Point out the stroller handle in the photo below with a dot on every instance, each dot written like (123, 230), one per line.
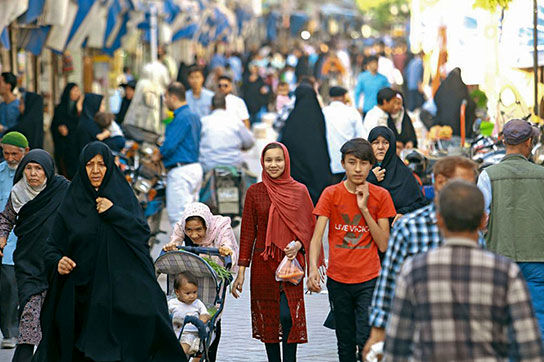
(209, 251)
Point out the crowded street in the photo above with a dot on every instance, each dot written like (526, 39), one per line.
(271, 180)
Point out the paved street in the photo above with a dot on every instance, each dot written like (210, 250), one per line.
(236, 343)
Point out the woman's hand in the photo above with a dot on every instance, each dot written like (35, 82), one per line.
(238, 282)
(103, 204)
(379, 172)
(171, 246)
(63, 130)
(225, 250)
(292, 249)
(66, 265)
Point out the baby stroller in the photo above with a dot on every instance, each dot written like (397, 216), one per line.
(212, 288)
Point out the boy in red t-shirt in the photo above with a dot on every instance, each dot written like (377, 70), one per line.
(358, 215)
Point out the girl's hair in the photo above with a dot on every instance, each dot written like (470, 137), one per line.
(183, 278)
(271, 147)
(196, 218)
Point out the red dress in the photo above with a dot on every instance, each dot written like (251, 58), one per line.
(265, 290)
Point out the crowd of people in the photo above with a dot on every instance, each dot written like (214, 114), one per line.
(459, 277)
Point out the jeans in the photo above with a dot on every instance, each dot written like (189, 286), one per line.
(289, 349)
(183, 186)
(350, 306)
(534, 276)
(9, 320)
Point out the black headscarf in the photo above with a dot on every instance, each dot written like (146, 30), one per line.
(33, 225)
(30, 123)
(448, 99)
(399, 180)
(305, 138)
(253, 97)
(65, 114)
(86, 131)
(110, 307)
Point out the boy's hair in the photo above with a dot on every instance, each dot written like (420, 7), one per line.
(194, 69)
(225, 77)
(360, 148)
(370, 58)
(103, 119)
(183, 278)
(10, 79)
(386, 94)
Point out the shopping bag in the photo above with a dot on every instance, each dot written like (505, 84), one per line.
(289, 271)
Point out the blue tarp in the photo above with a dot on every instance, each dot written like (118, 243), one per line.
(4, 39)
(186, 32)
(35, 9)
(36, 39)
(171, 10)
(84, 6)
(297, 21)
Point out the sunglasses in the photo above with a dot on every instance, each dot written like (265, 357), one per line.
(223, 85)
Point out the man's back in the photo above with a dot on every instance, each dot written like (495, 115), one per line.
(223, 137)
(343, 124)
(457, 302)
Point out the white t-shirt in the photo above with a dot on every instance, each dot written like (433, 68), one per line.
(237, 106)
(374, 118)
(179, 310)
(343, 124)
(115, 130)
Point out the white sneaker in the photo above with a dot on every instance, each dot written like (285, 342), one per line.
(8, 343)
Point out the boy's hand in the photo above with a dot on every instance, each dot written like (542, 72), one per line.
(379, 172)
(362, 195)
(238, 284)
(314, 280)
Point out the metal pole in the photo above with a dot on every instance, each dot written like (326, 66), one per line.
(153, 31)
(535, 54)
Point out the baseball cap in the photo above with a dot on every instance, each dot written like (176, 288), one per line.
(517, 131)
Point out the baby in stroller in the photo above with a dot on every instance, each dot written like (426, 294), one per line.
(187, 304)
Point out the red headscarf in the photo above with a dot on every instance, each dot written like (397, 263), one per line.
(290, 216)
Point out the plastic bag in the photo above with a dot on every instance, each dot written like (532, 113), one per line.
(289, 271)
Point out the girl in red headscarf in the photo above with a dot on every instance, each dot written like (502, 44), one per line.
(277, 210)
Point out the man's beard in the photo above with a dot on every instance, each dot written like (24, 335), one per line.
(11, 167)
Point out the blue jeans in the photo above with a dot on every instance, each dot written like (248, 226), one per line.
(534, 276)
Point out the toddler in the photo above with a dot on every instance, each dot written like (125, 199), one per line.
(111, 134)
(187, 304)
(282, 99)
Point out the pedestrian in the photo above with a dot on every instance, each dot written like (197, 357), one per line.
(459, 302)
(413, 234)
(358, 215)
(34, 199)
(64, 125)
(223, 137)
(392, 174)
(277, 211)
(115, 139)
(305, 137)
(14, 147)
(30, 122)
(104, 302)
(198, 98)
(235, 105)
(198, 227)
(402, 126)
(129, 89)
(515, 205)
(414, 82)
(389, 102)
(343, 123)
(9, 108)
(179, 153)
(255, 92)
(369, 83)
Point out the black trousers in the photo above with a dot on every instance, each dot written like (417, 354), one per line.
(350, 304)
(212, 351)
(289, 349)
(9, 320)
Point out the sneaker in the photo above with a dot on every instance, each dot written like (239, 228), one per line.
(8, 343)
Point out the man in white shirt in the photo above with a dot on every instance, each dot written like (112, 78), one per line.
(235, 105)
(343, 124)
(223, 137)
(389, 102)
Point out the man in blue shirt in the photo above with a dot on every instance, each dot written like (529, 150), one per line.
(198, 98)
(369, 84)
(9, 108)
(179, 153)
(14, 147)
(414, 78)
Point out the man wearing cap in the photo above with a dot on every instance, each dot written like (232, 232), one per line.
(343, 123)
(127, 99)
(14, 147)
(514, 200)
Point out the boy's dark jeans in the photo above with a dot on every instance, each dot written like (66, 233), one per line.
(350, 304)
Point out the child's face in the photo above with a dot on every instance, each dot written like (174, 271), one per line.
(283, 90)
(187, 293)
(356, 169)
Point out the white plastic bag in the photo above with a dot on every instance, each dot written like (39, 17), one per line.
(289, 271)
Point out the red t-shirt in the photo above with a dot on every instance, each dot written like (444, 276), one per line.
(353, 254)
